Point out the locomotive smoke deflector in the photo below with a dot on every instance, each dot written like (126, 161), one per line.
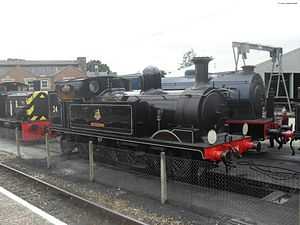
(201, 71)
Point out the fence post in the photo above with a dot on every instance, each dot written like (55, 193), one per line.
(163, 178)
(47, 150)
(91, 161)
(18, 142)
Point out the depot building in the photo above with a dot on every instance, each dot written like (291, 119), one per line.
(291, 71)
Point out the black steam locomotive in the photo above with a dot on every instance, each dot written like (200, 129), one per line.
(188, 124)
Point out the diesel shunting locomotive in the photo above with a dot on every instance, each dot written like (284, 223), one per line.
(23, 109)
(188, 124)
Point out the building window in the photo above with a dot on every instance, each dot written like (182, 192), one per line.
(44, 84)
(30, 84)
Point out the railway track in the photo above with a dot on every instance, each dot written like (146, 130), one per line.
(54, 200)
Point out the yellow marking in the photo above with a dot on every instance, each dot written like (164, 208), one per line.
(34, 94)
(30, 102)
(43, 118)
(34, 118)
(30, 110)
(29, 99)
(32, 97)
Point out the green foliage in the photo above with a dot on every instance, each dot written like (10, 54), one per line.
(187, 59)
(163, 73)
(97, 65)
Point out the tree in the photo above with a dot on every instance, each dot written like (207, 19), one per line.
(163, 73)
(187, 59)
(97, 65)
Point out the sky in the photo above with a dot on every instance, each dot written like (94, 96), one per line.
(130, 35)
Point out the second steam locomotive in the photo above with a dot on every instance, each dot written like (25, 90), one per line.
(246, 104)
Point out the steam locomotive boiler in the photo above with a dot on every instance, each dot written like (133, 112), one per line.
(185, 124)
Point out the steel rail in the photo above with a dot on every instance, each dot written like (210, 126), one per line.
(112, 215)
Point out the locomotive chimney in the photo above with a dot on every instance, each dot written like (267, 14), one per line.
(201, 70)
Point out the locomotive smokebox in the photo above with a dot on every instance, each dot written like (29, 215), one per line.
(202, 106)
(201, 71)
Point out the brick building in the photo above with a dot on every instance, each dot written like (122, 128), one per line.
(46, 71)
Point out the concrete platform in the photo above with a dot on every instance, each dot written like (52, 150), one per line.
(15, 211)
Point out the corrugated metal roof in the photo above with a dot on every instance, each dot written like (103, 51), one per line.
(290, 63)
